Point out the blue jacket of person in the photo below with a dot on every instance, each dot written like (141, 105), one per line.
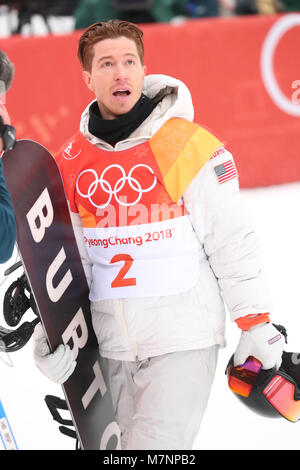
(7, 221)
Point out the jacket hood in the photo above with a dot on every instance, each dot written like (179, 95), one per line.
(174, 100)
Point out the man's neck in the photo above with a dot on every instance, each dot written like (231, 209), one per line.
(120, 128)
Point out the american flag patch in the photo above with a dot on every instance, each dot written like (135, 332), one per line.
(226, 171)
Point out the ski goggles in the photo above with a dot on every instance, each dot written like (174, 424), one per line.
(278, 388)
(242, 378)
(281, 393)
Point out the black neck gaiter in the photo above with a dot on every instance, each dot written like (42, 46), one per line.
(114, 130)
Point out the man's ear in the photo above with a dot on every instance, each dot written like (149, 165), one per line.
(87, 79)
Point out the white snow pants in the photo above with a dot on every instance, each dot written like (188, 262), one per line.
(159, 402)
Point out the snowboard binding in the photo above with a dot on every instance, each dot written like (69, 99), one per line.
(17, 300)
(68, 429)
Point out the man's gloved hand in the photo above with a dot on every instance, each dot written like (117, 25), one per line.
(264, 342)
(8, 135)
(57, 366)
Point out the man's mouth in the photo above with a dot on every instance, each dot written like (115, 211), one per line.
(121, 93)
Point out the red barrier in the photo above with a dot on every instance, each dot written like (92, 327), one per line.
(254, 108)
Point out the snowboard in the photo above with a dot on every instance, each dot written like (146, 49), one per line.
(48, 249)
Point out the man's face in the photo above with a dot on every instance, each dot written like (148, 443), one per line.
(116, 76)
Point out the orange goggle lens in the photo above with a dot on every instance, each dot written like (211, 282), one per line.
(242, 378)
(280, 393)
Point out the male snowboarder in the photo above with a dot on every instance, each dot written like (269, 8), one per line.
(164, 239)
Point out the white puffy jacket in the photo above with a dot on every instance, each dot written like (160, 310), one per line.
(230, 262)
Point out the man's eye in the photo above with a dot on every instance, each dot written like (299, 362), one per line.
(106, 64)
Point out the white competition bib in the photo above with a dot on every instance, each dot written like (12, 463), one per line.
(154, 259)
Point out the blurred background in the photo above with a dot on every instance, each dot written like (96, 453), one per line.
(57, 16)
(241, 62)
(239, 58)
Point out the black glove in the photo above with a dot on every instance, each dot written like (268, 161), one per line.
(8, 135)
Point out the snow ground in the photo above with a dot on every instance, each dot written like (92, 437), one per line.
(226, 424)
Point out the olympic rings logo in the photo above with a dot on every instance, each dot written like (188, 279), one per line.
(118, 186)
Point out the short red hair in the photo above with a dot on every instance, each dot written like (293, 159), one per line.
(107, 30)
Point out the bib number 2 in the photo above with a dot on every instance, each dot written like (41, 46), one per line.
(120, 280)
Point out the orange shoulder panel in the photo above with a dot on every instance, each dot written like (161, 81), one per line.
(181, 148)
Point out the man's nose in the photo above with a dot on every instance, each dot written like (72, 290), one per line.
(120, 73)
